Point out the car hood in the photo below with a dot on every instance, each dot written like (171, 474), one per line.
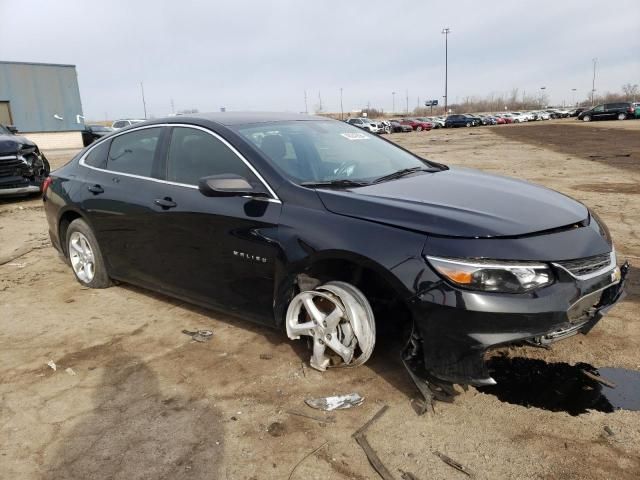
(458, 202)
(13, 143)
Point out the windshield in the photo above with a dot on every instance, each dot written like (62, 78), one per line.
(324, 151)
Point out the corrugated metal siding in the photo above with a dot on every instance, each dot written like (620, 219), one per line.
(39, 92)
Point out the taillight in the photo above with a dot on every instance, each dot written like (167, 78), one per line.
(45, 185)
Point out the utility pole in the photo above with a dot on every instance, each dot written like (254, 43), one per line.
(407, 98)
(393, 110)
(542, 89)
(446, 32)
(593, 83)
(320, 99)
(144, 103)
(573, 96)
(341, 108)
(306, 109)
(173, 108)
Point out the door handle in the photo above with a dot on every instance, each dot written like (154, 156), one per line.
(95, 189)
(165, 202)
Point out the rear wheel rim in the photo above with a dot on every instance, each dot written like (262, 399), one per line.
(82, 257)
(621, 116)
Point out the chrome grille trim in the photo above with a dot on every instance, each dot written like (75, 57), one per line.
(589, 267)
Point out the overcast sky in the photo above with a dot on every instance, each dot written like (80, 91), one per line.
(263, 55)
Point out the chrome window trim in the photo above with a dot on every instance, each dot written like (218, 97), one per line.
(9, 157)
(597, 273)
(274, 199)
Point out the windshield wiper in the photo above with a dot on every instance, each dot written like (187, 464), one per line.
(342, 183)
(402, 173)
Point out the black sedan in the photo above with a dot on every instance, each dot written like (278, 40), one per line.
(397, 127)
(453, 121)
(329, 232)
(23, 167)
(91, 133)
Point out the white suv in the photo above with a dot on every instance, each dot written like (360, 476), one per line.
(118, 124)
(366, 124)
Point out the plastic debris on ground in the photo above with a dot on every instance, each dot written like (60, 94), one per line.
(51, 364)
(338, 402)
(199, 335)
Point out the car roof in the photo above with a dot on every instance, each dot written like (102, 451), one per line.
(242, 118)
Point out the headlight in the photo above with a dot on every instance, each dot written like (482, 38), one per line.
(493, 275)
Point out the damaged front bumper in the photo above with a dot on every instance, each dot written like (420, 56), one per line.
(454, 328)
(22, 173)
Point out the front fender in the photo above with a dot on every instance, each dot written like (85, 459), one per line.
(309, 236)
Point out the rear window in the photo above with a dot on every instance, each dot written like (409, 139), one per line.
(133, 152)
(97, 157)
(615, 106)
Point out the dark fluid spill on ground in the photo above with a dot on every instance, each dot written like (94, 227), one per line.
(560, 387)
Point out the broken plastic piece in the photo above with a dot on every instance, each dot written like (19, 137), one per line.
(430, 387)
(199, 335)
(51, 364)
(338, 402)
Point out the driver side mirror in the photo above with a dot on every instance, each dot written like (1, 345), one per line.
(228, 185)
(12, 128)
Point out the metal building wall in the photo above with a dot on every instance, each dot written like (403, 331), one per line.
(42, 97)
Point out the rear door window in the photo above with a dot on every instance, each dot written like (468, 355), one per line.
(133, 152)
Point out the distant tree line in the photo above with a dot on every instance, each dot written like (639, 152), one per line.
(521, 101)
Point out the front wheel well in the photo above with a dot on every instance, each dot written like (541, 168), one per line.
(389, 307)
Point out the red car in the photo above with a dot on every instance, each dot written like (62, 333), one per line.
(501, 121)
(506, 119)
(417, 125)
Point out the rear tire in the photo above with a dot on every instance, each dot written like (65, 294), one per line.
(622, 116)
(419, 128)
(85, 257)
(586, 118)
(467, 124)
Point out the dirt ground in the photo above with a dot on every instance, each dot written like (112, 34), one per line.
(143, 401)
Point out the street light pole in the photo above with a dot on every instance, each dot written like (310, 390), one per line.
(144, 103)
(573, 96)
(393, 110)
(446, 32)
(593, 83)
(542, 89)
(341, 108)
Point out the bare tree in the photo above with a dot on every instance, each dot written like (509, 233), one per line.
(630, 91)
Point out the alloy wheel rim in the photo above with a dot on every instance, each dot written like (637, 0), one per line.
(82, 257)
(337, 324)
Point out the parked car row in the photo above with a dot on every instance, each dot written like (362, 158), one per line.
(391, 126)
